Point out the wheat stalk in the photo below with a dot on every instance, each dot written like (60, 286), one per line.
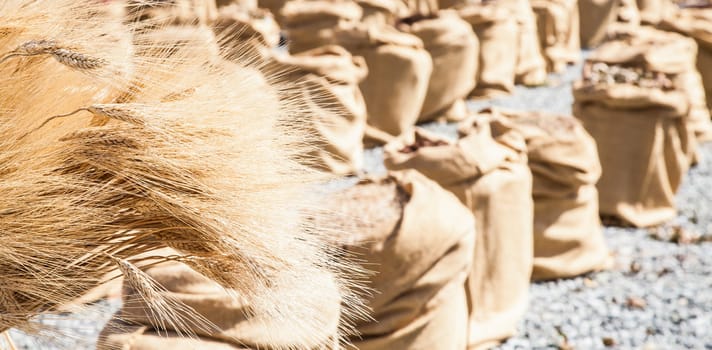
(63, 55)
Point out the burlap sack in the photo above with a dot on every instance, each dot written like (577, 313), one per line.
(238, 327)
(653, 11)
(595, 16)
(558, 25)
(531, 66)
(249, 5)
(639, 121)
(173, 12)
(568, 236)
(497, 30)
(453, 47)
(399, 74)
(382, 11)
(312, 23)
(486, 169)
(418, 240)
(275, 7)
(246, 34)
(697, 24)
(328, 79)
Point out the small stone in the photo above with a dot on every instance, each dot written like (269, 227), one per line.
(589, 283)
(608, 341)
(636, 303)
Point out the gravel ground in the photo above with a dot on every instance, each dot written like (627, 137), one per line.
(658, 295)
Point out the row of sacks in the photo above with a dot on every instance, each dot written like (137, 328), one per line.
(453, 235)
(643, 101)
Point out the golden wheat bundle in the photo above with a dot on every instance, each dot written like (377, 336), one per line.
(112, 151)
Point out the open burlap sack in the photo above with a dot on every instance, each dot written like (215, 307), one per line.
(558, 25)
(497, 30)
(486, 169)
(399, 73)
(173, 12)
(639, 121)
(246, 33)
(563, 158)
(696, 23)
(418, 241)
(312, 23)
(237, 326)
(328, 79)
(454, 49)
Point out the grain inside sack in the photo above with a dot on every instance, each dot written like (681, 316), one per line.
(487, 171)
(562, 156)
(334, 108)
(417, 239)
(558, 25)
(454, 49)
(397, 83)
(309, 24)
(635, 104)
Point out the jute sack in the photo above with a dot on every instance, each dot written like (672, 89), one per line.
(418, 241)
(653, 11)
(497, 30)
(312, 23)
(558, 25)
(639, 123)
(399, 73)
(453, 47)
(568, 236)
(237, 326)
(247, 33)
(275, 7)
(697, 24)
(486, 169)
(595, 16)
(249, 5)
(382, 11)
(328, 79)
(531, 66)
(173, 12)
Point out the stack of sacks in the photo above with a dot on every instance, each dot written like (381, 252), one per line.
(599, 17)
(486, 169)
(418, 241)
(328, 79)
(174, 12)
(228, 322)
(381, 11)
(634, 101)
(246, 33)
(696, 22)
(312, 23)
(453, 48)
(568, 236)
(397, 83)
(558, 24)
(509, 48)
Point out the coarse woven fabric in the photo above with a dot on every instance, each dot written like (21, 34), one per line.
(489, 174)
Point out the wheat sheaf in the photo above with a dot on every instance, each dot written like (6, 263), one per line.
(110, 150)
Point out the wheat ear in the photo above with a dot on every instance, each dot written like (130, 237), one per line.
(63, 55)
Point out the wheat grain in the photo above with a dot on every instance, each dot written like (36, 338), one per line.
(63, 55)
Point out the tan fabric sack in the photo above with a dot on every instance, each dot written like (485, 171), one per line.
(249, 5)
(382, 11)
(418, 240)
(695, 23)
(558, 25)
(312, 23)
(595, 17)
(640, 124)
(531, 66)
(486, 169)
(497, 31)
(238, 327)
(246, 33)
(275, 7)
(454, 48)
(399, 73)
(329, 78)
(563, 158)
